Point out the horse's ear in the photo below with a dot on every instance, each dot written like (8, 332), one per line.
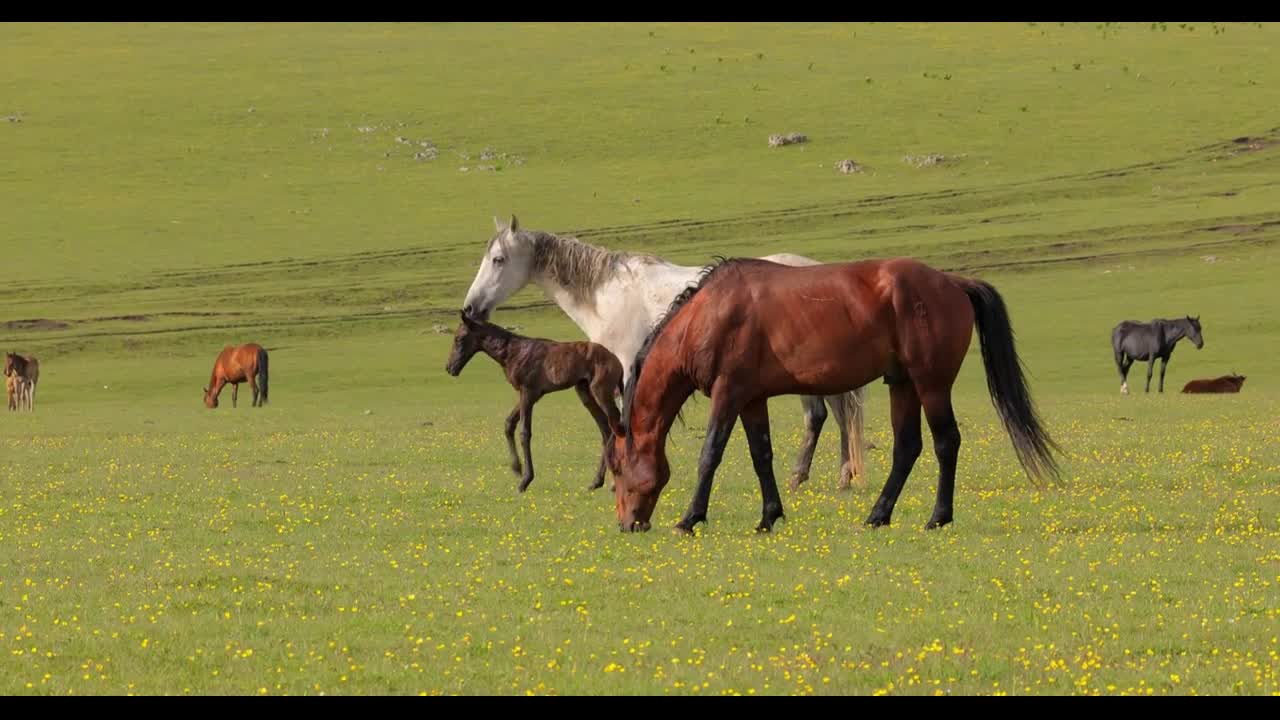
(468, 320)
(497, 224)
(515, 224)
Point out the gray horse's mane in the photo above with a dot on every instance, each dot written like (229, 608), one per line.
(577, 266)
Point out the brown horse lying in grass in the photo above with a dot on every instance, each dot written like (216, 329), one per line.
(1225, 384)
(752, 330)
(535, 367)
(237, 364)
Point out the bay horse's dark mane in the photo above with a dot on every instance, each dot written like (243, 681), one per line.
(704, 275)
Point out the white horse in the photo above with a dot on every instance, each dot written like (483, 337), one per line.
(616, 297)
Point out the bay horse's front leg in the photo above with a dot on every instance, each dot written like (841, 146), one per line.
(815, 415)
(755, 422)
(905, 410)
(719, 427)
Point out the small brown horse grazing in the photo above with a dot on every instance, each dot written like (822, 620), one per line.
(750, 330)
(535, 367)
(25, 369)
(237, 364)
(1225, 384)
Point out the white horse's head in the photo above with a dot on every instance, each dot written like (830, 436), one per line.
(504, 269)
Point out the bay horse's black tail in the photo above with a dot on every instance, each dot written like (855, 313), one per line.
(1008, 386)
(262, 375)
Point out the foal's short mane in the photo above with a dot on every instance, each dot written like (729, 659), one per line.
(704, 275)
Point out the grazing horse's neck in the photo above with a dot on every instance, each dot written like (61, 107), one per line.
(656, 403)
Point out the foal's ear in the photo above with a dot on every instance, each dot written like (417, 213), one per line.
(468, 320)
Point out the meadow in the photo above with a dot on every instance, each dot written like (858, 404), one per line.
(327, 191)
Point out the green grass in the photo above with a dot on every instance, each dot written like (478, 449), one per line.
(171, 188)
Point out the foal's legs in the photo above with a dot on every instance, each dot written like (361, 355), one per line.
(603, 387)
(723, 416)
(755, 421)
(946, 445)
(815, 414)
(512, 420)
(904, 406)
(527, 399)
(602, 422)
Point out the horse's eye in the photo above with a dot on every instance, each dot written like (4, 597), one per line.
(498, 260)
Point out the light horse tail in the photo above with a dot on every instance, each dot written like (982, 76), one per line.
(262, 375)
(855, 425)
(1007, 384)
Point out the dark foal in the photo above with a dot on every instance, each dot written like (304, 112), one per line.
(535, 367)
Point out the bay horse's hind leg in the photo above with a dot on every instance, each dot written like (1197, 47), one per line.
(755, 422)
(719, 426)
(253, 386)
(815, 414)
(235, 390)
(946, 445)
(602, 423)
(904, 407)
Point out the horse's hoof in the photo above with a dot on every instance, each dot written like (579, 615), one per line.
(524, 485)
(797, 481)
(936, 523)
(876, 521)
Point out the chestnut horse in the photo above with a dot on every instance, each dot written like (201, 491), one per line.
(237, 364)
(1225, 384)
(21, 372)
(535, 367)
(751, 329)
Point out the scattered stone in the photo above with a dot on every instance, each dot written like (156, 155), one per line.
(848, 167)
(788, 139)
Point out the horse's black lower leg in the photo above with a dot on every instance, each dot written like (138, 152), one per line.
(1122, 366)
(755, 421)
(602, 424)
(526, 435)
(815, 414)
(946, 445)
(512, 420)
(905, 408)
(1164, 363)
(1151, 366)
(718, 430)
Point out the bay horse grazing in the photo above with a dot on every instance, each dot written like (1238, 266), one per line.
(753, 329)
(535, 367)
(237, 364)
(25, 372)
(1132, 341)
(615, 298)
(1225, 384)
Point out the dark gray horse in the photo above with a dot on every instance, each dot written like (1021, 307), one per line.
(1147, 341)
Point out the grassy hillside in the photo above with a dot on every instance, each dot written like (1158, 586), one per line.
(172, 188)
